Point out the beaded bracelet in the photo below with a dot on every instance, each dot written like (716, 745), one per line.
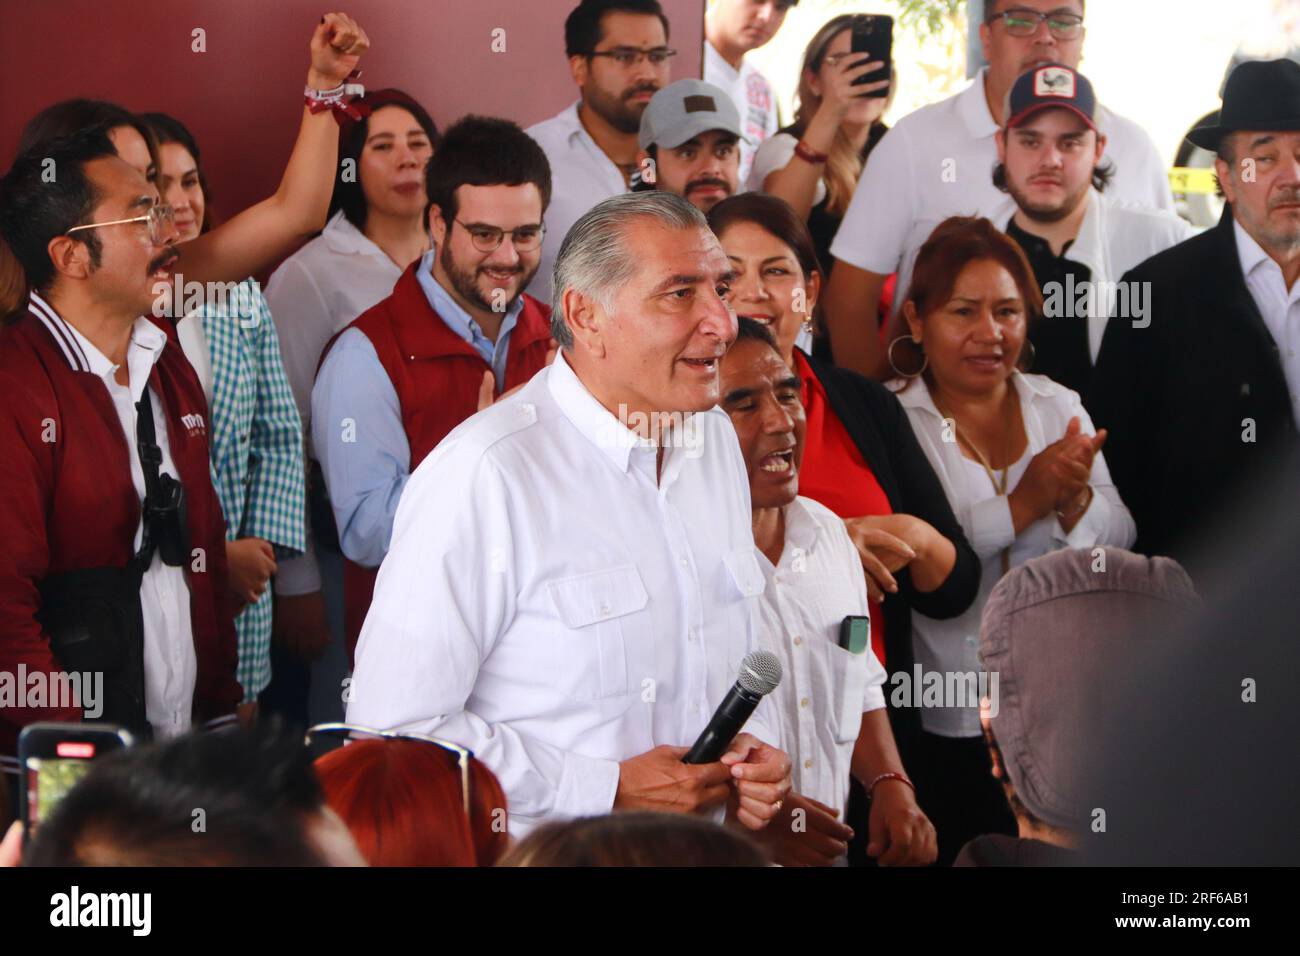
(880, 778)
(808, 154)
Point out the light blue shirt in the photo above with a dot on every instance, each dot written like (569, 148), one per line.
(356, 423)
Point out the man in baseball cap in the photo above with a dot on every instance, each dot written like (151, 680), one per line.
(1218, 348)
(690, 132)
(1051, 162)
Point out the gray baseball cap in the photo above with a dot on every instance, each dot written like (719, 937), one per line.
(1059, 630)
(685, 109)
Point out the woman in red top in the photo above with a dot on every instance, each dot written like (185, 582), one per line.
(861, 458)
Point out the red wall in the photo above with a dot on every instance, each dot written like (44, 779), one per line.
(242, 98)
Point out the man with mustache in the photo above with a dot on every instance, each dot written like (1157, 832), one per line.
(1202, 396)
(691, 133)
(457, 331)
(114, 542)
(572, 581)
(1077, 240)
(934, 163)
(618, 57)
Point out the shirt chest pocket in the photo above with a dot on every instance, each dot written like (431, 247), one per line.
(744, 576)
(600, 611)
(848, 685)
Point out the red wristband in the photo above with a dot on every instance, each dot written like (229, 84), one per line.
(880, 778)
(808, 154)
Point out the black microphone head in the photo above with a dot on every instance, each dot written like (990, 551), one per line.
(760, 672)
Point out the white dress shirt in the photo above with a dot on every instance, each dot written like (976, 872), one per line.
(314, 293)
(548, 604)
(755, 102)
(581, 176)
(170, 661)
(938, 162)
(952, 646)
(1278, 306)
(1113, 238)
(825, 690)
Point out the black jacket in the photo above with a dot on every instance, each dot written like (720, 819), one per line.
(1183, 396)
(879, 427)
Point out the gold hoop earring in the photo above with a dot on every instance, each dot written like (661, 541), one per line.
(889, 354)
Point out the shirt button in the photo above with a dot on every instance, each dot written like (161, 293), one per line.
(693, 634)
(798, 641)
(604, 610)
(971, 641)
(803, 702)
(807, 764)
(685, 563)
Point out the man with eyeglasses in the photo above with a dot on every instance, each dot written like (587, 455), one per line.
(733, 28)
(457, 332)
(935, 163)
(113, 560)
(619, 58)
(691, 132)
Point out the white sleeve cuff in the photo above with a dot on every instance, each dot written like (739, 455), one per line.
(299, 575)
(587, 786)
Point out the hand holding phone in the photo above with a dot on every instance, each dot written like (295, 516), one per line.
(873, 34)
(52, 757)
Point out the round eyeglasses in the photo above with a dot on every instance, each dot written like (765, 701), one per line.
(160, 219)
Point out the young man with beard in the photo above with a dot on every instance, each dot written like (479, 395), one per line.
(114, 557)
(691, 132)
(934, 163)
(733, 28)
(1077, 240)
(619, 57)
(457, 331)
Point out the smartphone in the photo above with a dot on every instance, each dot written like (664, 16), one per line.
(873, 34)
(53, 757)
(855, 633)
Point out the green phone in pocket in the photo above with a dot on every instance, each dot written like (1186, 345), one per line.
(855, 633)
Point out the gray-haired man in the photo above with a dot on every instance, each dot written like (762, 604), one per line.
(569, 588)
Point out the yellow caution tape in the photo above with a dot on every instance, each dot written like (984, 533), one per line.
(1191, 179)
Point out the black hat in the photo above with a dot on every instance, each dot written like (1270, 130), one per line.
(1259, 95)
(1049, 87)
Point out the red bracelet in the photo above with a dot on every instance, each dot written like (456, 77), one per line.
(808, 154)
(871, 788)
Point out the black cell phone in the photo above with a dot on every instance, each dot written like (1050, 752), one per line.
(53, 757)
(855, 633)
(873, 34)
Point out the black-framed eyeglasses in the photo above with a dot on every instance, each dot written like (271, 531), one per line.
(160, 219)
(489, 238)
(352, 730)
(630, 56)
(1022, 22)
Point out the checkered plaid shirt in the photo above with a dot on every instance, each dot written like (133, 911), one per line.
(256, 453)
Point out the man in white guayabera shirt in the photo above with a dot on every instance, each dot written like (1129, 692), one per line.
(571, 581)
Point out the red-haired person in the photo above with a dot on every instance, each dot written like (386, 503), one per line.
(1022, 467)
(409, 803)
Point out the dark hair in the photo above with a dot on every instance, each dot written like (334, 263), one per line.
(35, 208)
(68, 116)
(348, 193)
(778, 218)
(167, 129)
(991, 10)
(751, 330)
(583, 28)
(485, 151)
(956, 243)
(140, 806)
(635, 839)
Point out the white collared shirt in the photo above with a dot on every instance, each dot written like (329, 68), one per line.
(754, 98)
(170, 661)
(549, 605)
(938, 162)
(825, 690)
(581, 176)
(314, 293)
(952, 646)
(1278, 306)
(1113, 238)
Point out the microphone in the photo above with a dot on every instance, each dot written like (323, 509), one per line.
(760, 672)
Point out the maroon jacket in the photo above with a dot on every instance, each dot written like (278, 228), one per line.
(68, 503)
(436, 375)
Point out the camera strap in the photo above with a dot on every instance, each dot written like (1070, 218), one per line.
(146, 443)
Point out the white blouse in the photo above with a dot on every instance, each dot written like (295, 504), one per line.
(951, 647)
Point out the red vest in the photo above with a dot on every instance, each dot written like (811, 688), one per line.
(69, 504)
(436, 375)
